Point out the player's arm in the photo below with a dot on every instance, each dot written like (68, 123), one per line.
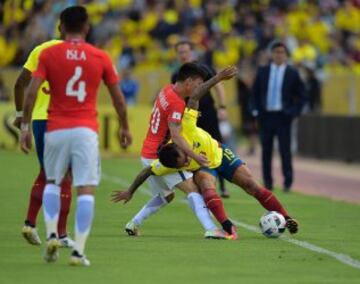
(175, 132)
(30, 97)
(220, 93)
(21, 83)
(120, 107)
(119, 195)
(204, 88)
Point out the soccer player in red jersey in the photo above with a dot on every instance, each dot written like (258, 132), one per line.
(74, 70)
(165, 123)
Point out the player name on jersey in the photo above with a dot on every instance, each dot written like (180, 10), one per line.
(73, 54)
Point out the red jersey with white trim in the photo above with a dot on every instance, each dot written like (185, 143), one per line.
(74, 70)
(168, 107)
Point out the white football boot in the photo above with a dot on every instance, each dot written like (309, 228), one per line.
(51, 251)
(78, 260)
(66, 242)
(31, 235)
(132, 229)
(216, 234)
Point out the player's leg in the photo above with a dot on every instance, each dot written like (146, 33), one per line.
(197, 204)
(65, 196)
(206, 181)
(86, 176)
(243, 178)
(29, 230)
(56, 161)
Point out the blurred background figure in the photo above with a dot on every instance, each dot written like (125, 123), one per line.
(278, 98)
(129, 86)
(312, 90)
(4, 92)
(248, 122)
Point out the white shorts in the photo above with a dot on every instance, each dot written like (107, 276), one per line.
(166, 184)
(76, 147)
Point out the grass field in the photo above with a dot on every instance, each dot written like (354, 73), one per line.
(172, 248)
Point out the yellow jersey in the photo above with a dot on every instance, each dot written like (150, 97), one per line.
(43, 98)
(200, 141)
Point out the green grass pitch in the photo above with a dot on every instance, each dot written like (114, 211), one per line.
(172, 248)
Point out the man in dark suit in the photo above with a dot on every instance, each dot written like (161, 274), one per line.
(278, 97)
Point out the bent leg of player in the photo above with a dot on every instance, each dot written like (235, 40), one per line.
(206, 180)
(234, 170)
(197, 204)
(86, 176)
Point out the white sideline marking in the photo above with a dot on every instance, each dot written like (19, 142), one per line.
(343, 258)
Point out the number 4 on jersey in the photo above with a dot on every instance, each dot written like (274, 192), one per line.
(80, 93)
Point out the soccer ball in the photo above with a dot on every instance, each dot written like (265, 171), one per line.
(272, 224)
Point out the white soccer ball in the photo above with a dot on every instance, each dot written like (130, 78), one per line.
(272, 224)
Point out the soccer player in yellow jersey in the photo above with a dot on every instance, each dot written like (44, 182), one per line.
(222, 161)
(39, 120)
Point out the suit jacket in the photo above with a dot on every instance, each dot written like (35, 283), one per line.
(292, 91)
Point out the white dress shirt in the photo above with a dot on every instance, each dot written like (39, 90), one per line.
(274, 92)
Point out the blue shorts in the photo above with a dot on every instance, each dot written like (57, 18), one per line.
(230, 162)
(39, 129)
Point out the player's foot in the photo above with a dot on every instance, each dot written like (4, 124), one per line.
(51, 252)
(66, 242)
(132, 229)
(292, 225)
(31, 235)
(216, 234)
(78, 260)
(233, 236)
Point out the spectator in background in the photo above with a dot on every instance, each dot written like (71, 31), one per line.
(278, 97)
(248, 122)
(129, 86)
(312, 90)
(4, 92)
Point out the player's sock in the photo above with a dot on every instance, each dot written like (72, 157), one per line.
(150, 208)
(269, 201)
(198, 206)
(36, 195)
(65, 206)
(51, 207)
(83, 221)
(215, 205)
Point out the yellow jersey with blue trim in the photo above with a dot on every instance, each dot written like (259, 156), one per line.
(201, 143)
(43, 98)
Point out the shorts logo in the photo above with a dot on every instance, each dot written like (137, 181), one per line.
(176, 115)
(196, 145)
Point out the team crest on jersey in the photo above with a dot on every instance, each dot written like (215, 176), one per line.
(176, 115)
(196, 145)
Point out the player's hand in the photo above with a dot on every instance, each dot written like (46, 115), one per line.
(201, 160)
(119, 195)
(25, 141)
(125, 138)
(222, 114)
(227, 73)
(17, 122)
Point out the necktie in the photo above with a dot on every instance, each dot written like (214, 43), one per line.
(273, 98)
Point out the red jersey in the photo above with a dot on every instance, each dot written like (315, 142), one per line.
(168, 107)
(74, 70)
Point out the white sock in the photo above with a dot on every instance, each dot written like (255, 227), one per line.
(83, 221)
(51, 208)
(150, 208)
(198, 206)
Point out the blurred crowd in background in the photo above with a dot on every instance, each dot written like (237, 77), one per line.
(321, 35)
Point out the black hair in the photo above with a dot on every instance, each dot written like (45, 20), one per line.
(74, 19)
(183, 42)
(191, 70)
(168, 155)
(277, 44)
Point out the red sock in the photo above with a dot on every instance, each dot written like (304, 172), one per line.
(35, 202)
(269, 201)
(65, 196)
(214, 203)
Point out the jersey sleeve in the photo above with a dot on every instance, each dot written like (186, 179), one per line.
(32, 61)
(41, 70)
(110, 75)
(160, 170)
(175, 112)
